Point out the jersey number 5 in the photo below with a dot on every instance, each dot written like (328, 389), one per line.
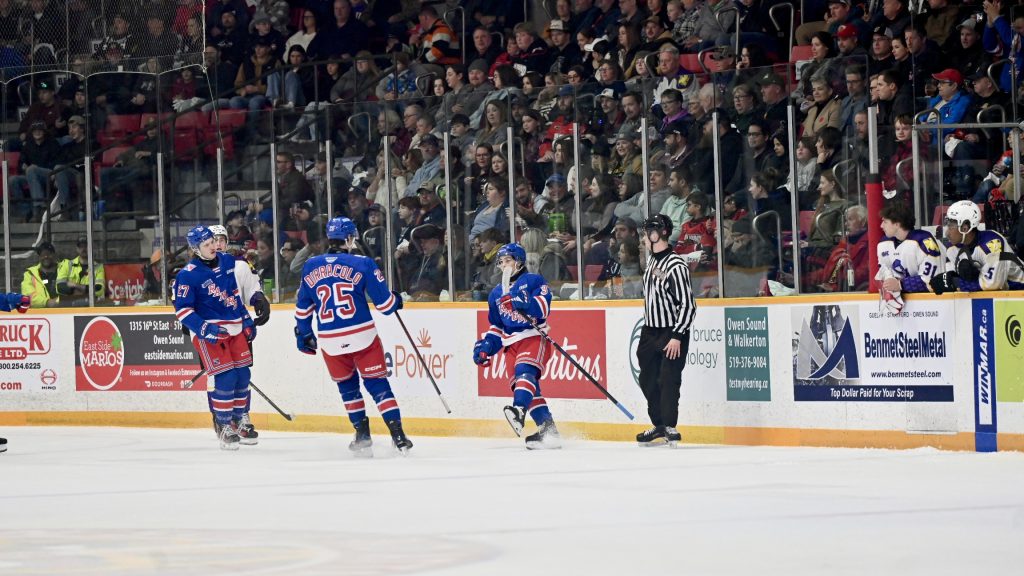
(337, 301)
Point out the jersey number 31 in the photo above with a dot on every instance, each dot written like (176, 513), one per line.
(342, 303)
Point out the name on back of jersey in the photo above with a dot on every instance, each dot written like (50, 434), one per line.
(346, 273)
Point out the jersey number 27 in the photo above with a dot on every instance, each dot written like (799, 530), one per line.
(335, 299)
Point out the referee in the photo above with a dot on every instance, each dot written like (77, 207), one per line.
(665, 337)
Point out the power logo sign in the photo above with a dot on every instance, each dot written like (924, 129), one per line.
(28, 361)
(581, 333)
(402, 361)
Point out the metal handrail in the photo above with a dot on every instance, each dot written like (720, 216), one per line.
(1002, 119)
(700, 58)
(899, 172)
(775, 21)
(429, 90)
(988, 71)
(462, 20)
(369, 127)
(778, 231)
(718, 17)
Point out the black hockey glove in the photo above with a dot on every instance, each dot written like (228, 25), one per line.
(260, 303)
(966, 269)
(945, 282)
(399, 304)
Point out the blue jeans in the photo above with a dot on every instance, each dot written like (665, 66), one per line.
(292, 88)
(255, 105)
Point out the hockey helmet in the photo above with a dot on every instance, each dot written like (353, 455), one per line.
(197, 236)
(341, 228)
(965, 215)
(218, 230)
(660, 223)
(514, 251)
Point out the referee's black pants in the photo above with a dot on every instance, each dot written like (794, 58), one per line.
(661, 378)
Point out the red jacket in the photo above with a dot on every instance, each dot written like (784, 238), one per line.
(832, 276)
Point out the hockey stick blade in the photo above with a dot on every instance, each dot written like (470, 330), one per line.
(533, 322)
(283, 414)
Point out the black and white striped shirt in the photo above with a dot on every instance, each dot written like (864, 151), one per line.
(668, 298)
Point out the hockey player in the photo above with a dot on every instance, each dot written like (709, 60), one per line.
(908, 259)
(333, 288)
(10, 303)
(208, 301)
(220, 237)
(977, 259)
(521, 301)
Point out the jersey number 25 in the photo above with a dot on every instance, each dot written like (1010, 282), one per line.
(337, 301)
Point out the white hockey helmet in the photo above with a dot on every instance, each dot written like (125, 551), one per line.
(965, 215)
(218, 230)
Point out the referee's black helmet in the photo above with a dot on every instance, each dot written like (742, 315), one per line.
(659, 222)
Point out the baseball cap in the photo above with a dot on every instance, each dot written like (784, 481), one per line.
(478, 64)
(82, 241)
(565, 90)
(556, 179)
(771, 78)
(883, 31)
(375, 207)
(654, 19)
(724, 52)
(846, 31)
(843, 2)
(37, 125)
(44, 85)
(45, 245)
(608, 93)
(981, 72)
(559, 26)
(676, 127)
(430, 140)
(76, 119)
(970, 22)
(949, 75)
(305, 205)
(264, 41)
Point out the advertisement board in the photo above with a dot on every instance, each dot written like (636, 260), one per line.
(857, 353)
(747, 365)
(137, 352)
(125, 283)
(580, 333)
(28, 358)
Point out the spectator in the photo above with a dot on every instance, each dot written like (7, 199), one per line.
(826, 227)
(745, 107)
(806, 169)
(484, 47)
(487, 275)
(233, 39)
(676, 137)
(773, 94)
(598, 207)
(430, 274)
(220, 76)
(697, 235)
(432, 209)
(965, 50)
(765, 197)
(431, 148)
(39, 282)
(73, 277)
(1002, 39)
(345, 36)
(292, 88)
(261, 29)
(534, 54)
(636, 207)
(745, 250)
(292, 186)
(46, 109)
(626, 159)
(759, 156)
(684, 15)
(950, 102)
(399, 84)
(894, 16)
(839, 13)
(850, 254)
(306, 32)
(38, 157)
(251, 84)
(675, 206)
(825, 109)
(564, 52)
(924, 57)
(881, 50)
(856, 99)
(939, 20)
(494, 213)
(435, 42)
(902, 151)
(822, 66)
(69, 166)
(157, 42)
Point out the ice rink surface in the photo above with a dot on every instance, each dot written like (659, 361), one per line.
(119, 501)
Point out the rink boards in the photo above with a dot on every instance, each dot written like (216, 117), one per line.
(814, 370)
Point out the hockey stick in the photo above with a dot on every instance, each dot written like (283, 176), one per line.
(422, 362)
(583, 370)
(285, 415)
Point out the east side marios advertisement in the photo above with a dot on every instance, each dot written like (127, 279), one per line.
(857, 353)
(28, 360)
(134, 352)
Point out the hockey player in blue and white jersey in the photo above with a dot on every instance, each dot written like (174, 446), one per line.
(9, 303)
(908, 259)
(520, 298)
(251, 289)
(977, 259)
(208, 301)
(333, 289)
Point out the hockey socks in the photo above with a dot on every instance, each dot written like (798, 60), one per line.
(382, 395)
(526, 395)
(353, 399)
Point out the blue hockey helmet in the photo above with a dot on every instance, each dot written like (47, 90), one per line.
(341, 228)
(514, 251)
(197, 236)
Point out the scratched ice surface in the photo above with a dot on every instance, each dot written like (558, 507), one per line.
(114, 501)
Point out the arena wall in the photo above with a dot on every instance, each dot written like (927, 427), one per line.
(810, 370)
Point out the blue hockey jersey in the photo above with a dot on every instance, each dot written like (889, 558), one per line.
(507, 323)
(205, 294)
(333, 288)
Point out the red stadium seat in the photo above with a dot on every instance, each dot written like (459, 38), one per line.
(13, 158)
(799, 53)
(118, 126)
(691, 62)
(806, 220)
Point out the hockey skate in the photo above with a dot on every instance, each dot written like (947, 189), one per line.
(653, 437)
(672, 436)
(228, 437)
(3, 444)
(545, 438)
(516, 417)
(361, 444)
(247, 433)
(398, 437)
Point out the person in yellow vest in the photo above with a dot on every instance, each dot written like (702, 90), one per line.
(73, 277)
(40, 281)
